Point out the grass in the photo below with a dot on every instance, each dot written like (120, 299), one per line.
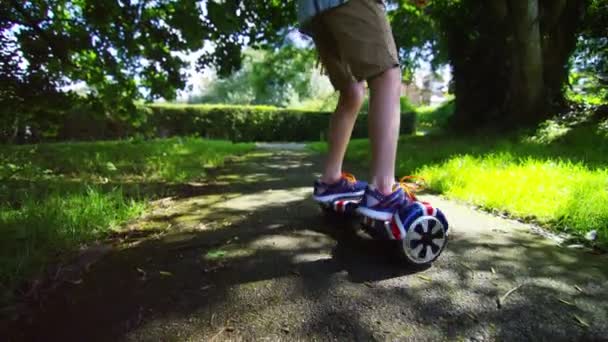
(557, 176)
(39, 231)
(56, 197)
(167, 160)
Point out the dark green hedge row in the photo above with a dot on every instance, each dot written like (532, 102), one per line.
(236, 123)
(251, 123)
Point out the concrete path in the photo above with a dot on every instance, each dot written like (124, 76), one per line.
(248, 256)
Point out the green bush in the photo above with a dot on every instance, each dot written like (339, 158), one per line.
(225, 122)
(435, 117)
(250, 123)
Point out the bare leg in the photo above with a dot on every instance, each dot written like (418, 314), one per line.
(340, 129)
(384, 120)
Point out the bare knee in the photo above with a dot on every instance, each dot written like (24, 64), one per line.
(352, 97)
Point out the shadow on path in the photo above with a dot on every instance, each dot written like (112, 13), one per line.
(249, 256)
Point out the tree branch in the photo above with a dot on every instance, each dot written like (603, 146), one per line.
(34, 24)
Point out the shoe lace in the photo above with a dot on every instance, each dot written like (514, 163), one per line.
(349, 177)
(411, 185)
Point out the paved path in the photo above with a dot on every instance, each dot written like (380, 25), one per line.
(247, 256)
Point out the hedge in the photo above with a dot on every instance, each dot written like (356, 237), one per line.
(227, 122)
(250, 123)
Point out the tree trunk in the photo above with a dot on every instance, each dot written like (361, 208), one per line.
(560, 21)
(510, 60)
(526, 79)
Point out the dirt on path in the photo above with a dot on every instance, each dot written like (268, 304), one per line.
(248, 256)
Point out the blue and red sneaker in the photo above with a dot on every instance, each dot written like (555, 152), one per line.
(378, 206)
(347, 187)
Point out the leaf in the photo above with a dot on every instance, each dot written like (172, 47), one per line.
(216, 254)
(467, 267)
(110, 166)
(500, 301)
(165, 273)
(581, 321)
(566, 302)
(141, 272)
(425, 278)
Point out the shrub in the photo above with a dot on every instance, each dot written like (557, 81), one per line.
(251, 123)
(226, 122)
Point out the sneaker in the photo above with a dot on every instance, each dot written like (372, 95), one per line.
(378, 206)
(347, 187)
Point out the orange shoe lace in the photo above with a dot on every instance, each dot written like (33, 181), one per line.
(349, 177)
(411, 185)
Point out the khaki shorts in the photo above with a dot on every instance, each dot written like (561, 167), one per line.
(354, 42)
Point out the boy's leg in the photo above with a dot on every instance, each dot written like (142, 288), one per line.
(384, 120)
(367, 49)
(352, 94)
(340, 129)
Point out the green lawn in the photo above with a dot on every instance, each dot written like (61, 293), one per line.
(56, 197)
(558, 176)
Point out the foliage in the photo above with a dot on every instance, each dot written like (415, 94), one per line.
(166, 160)
(233, 25)
(322, 103)
(587, 88)
(228, 122)
(435, 118)
(418, 36)
(39, 229)
(252, 123)
(503, 73)
(558, 181)
(116, 48)
(55, 197)
(281, 77)
(590, 76)
(510, 59)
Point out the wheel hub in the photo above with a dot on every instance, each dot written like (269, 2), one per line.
(424, 240)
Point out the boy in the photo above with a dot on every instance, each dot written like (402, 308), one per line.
(355, 44)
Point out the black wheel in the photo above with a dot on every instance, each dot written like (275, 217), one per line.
(327, 209)
(424, 241)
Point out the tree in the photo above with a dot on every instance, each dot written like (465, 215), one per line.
(25, 94)
(513, 69)
(591, 55)
(116, 47)
(510, 58)
(281, 77)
